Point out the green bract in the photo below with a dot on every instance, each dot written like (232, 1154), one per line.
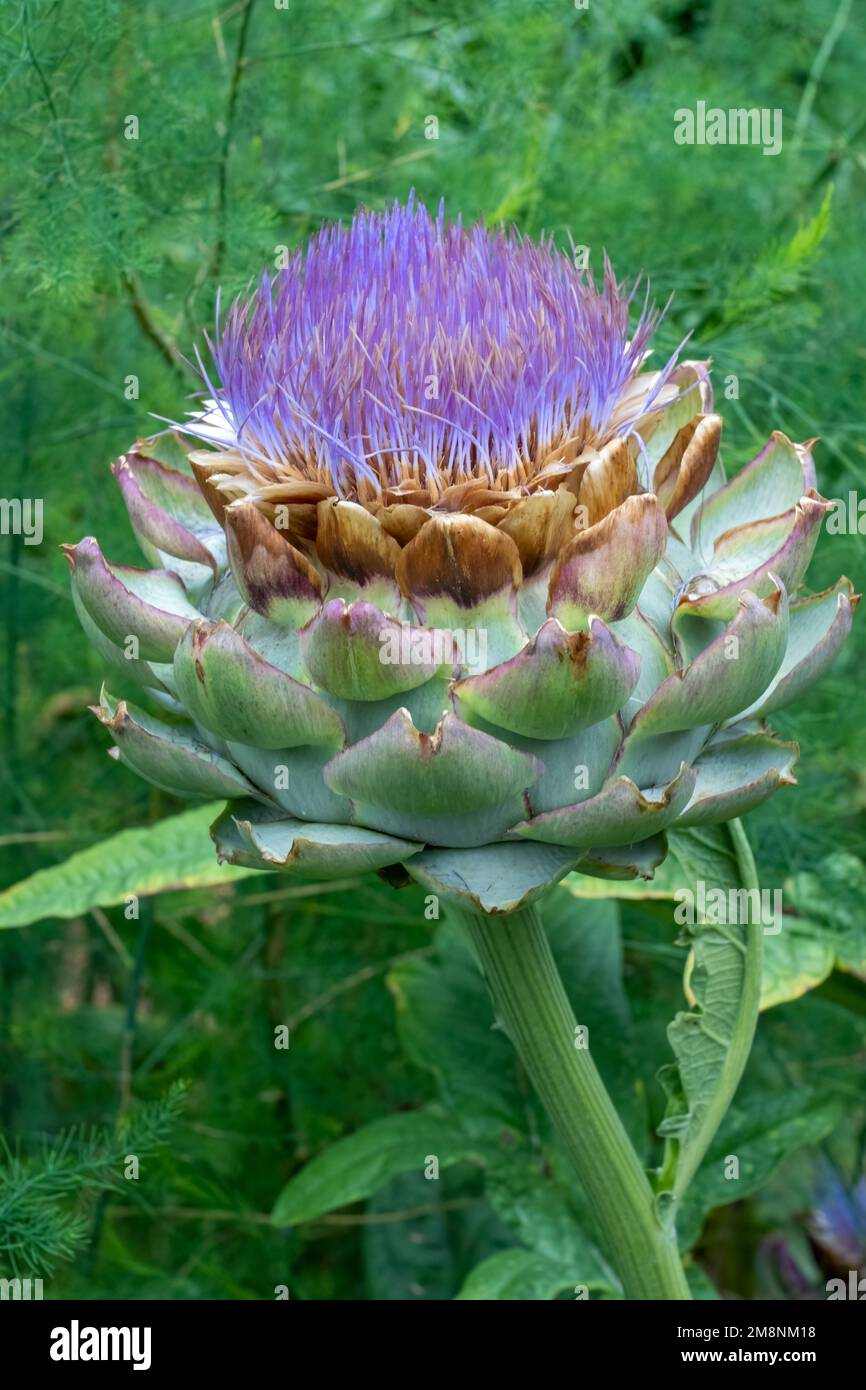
(490, 709)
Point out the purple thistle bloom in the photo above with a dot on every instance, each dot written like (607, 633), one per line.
(404, 347)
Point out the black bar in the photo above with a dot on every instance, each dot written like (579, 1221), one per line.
(264, 1337)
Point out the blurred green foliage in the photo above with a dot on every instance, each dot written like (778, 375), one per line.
(253, 124)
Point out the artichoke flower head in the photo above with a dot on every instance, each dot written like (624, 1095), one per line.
(445, 578)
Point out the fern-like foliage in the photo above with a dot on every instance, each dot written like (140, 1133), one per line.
(41, 1221)
(780, 272)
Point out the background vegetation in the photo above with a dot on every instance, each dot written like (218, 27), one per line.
(254, 124)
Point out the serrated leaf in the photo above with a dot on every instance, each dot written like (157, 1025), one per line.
(360, 1164)
(703, 853)
(710, 1049)
(708, 1041)
(175, 853)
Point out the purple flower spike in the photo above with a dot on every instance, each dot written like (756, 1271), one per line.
(404, 347)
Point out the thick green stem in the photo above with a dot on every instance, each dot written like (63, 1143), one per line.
(530, 1000)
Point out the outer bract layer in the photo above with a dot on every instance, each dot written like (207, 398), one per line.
(494, 652)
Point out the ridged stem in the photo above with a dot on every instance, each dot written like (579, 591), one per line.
(531, 1002)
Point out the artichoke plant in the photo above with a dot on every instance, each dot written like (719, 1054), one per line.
(458, 584)
(457, 589)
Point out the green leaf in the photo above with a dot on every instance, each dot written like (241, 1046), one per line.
(359, 1165)
(796, 959)
(516, 1274)
(823, 929)
(175, 853)
(409, 1260)
(710, 1041)
(759, 1133)
(535, 1208)
(700, 1283)
(831, 901)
